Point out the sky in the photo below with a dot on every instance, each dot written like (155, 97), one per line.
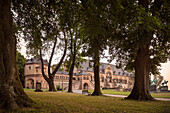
(165, 67)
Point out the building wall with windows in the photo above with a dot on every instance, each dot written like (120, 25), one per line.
(83, 78)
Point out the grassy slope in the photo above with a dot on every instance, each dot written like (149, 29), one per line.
(65, 102)
(156, 95)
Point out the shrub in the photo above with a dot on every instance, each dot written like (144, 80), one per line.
(58, 88)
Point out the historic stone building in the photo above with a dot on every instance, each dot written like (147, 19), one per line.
(83, 78)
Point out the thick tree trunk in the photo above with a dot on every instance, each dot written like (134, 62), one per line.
(140, 90)
(12, 94)
(96, 59)
(71, 70)
(51, 84)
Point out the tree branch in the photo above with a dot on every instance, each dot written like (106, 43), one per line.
(52, 54)
(61, 60)
(42, 67)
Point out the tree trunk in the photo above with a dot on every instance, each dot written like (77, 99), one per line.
(148, 68)
(51, 84)
(140, 90)
(50, 78)
(12, 94)
(71, 70)
(96, 59)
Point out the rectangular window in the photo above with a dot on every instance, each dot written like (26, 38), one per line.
(29, 67)
(125, 81)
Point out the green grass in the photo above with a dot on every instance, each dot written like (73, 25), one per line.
(161, 95)
(57, 102)
(155, 95)
(25, 89)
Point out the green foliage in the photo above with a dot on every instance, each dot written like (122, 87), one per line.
(21, 60)
(138, 28)
(84, 90)
(94, 27)
(58, 88)
(39, 24)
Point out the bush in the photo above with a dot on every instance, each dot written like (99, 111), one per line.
(58, 88)
(84, 90)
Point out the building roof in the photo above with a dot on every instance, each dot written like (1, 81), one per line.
(83, 73)
(65, 73)
(61, 72)
(85, 66)
(36, 61)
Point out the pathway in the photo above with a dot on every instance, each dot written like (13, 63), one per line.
(121, 96)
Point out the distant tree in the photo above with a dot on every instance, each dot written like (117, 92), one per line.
(21, 60)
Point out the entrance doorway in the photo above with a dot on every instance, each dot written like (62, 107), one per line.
(85, 86)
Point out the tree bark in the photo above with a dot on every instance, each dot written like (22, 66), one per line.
(12, 94)
(51, 84)
(71, 70)
(140, 90)
(148, 68)
(96, 59)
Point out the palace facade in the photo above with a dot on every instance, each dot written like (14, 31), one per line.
(83, 78)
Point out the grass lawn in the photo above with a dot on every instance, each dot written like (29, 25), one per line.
(25, 89)
(155, 95)
(57, 102)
